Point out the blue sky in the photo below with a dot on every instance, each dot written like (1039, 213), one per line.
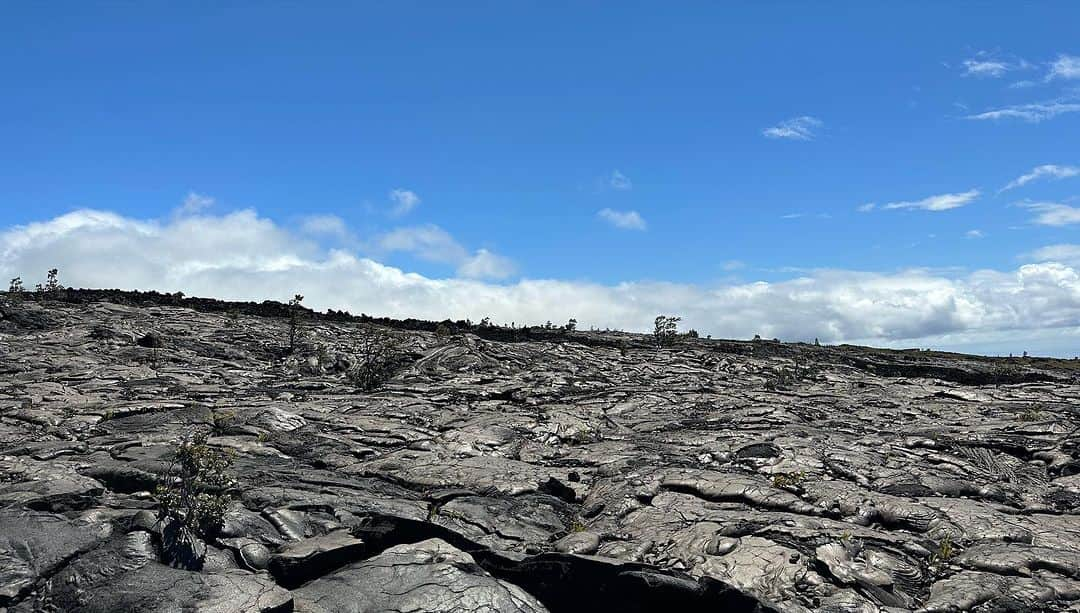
(704, 145)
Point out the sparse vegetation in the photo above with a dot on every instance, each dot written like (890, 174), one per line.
(223, 420)
(232, 318)
(376, 354)
(52, 283)
(942, 553)
(443, 331)
(571, 325)
(295, 313)
(784, 378)
(791, 479)
(665, 329)
(195, 489)
(15, 289)
(1029, 414)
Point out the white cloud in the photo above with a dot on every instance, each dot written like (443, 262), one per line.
(428, 242)
(1034, 113)
(244, 256)
(866, 208)
(404, 201)
(324, 225)
(798, 128)
(985, 68)
(1065, 67)
(194, 203)
(486, 265)
(624, 220)
(974, 234)
(940, 202)
(731, 265)
(1053, 213)
(990, 65)
(434, 244)
(619, 181)
(1063, 252)
(1049, 171)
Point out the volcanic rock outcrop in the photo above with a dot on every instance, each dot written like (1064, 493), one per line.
(525, 470)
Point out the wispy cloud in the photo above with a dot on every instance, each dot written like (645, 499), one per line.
(1046, 171)
(866, 208)
(194, 203)
(428, 242)
(985, 68)
(619, 181)
(324, 225)
(1053, 213)
(940, 202)
(486, 265)
(974, 234)
(624, 220)
(986, 64)
(1064, 67)
(1063, 252)
(432, 243)
(804, 215)
(404, 201)
(1034, 112)
(797, 128)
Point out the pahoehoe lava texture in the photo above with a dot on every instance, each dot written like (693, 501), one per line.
(527, 470)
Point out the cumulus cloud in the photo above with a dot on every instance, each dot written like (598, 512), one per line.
(404, 201)
(1046, 171)
(1053, 213)
(1033, 113)
(619, 181)
(624, 220)
(940, 202)
(1064, 67)
(797, 128)
(244, 256)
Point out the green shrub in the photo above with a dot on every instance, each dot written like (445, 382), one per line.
(375, 357)
(295, 313)
(665, 330)
(195, 489)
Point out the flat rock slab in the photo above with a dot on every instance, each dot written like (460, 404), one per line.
(124, 575)
(426, 576)
(310, 558)
(34, 545)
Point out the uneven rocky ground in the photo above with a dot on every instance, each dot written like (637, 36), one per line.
(588, 472)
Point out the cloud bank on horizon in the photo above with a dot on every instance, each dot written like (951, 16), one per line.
(911, 183)
(242, 255)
